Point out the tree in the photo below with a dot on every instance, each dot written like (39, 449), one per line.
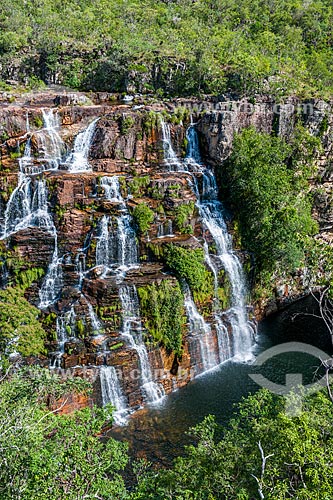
(270, 193)
(44, 455)
(263, 451)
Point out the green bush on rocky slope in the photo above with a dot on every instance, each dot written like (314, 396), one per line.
(44, 455)
(268, 186)
(162, 307)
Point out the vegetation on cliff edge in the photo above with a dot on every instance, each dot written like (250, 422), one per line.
(267, 183)
(162, 307)
(181, 47)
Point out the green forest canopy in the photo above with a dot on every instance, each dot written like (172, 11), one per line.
(170, 47)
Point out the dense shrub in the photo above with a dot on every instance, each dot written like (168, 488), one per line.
(268, 186)
(162, 307)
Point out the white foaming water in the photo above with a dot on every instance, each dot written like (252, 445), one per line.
(50, 143)
(111, 188)
(201, 330)
(132, 333)
(117, 245)
(225, 347)
(78, 159)
(27, 205)
(65, 328)
(170, 157)
(112, 393)
(53, 281)
(165, 230)
(95, 322)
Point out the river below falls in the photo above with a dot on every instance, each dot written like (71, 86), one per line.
(158, 433)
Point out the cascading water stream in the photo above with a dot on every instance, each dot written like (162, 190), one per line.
(200, 330)
(112, 393)
(65, 327)
(116, 247)
(78, 159)
(50, 143)
(211, 213)
(111, 188)
(77, 162)
(165, 230)
(170, 158)
(52, 283)
(27, 205)
(132, 333)
(95, 323)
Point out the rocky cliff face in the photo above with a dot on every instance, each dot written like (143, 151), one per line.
(96, 205)
(70, 215)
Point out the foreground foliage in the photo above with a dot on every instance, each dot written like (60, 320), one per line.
(227, 464)
(43, 455)
(178, 47)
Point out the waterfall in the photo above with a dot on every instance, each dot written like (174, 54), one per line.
(111, 188)
(202, 332)
(116, 245)
(65, 328)
(53, 280)
(27, 205)
(170, 157)
(223, 340)
(165, 230)
(112, 393)
(132, 333)
(95, 323)
(50, 143)
(211, 213)
(212, 216)
(104, 243)
(78, 159)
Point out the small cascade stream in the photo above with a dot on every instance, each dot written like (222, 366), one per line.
(95, 322)
(201, 331)
(27, 205)
(49, 141)
(112, 393)
(116, 247)
(78, 158)
(65, 328)
(53, 280)
(132, 333)
(165, 230)
(76, 162)
(170, 158)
